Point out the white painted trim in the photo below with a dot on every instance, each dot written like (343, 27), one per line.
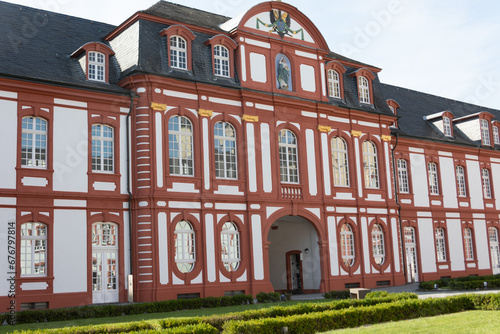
(358, 167)
(326, 164)
(9, 95)
(306, 54)
(206, 154)
(210, 247)
(258, 43)
(258, 257)
(71, 103)
(159, 149)
(251, 155)
(225, 101)
(311, 162)
(70, 203)
(265, 147)
(163, 247)
(243, 63)
(173, 93)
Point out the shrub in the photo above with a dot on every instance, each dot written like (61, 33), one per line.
(263, 297)
(342, 294)
(351, 317)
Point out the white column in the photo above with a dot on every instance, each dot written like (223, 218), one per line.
(332, 244)
(395, 245)
(326, 164)
(311, 162)
(365, 245)
(159, 150)
(210, 244)
(265, 146)
(206, 154)
(163, 247)
(258, 258)
(358, 167)
(252, 169)
(388, 170)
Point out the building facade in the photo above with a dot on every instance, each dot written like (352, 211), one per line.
(185, 154)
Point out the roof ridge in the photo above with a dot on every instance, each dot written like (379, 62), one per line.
(184, 6)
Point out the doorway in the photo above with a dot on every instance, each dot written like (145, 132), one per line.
(411, 254)
(294, 271)
(104, 263)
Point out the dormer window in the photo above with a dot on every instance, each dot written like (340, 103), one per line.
(94, 59)
(393, 107)
(221, 61)
(496, 135)
(447, 127)
(97, 63)
(178, 40)
(485, 132)
(364, 90)
(333, 84)
(178, 52)
(222, 48)
(364, 79)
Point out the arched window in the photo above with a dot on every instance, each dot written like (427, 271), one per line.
(333, 84)
(403, 176)
(97, 65)
(289, 168)
(485, 175)
(469, 250)
(378, 244)
(433, 178)
(34, 142)
(102, 148)
(494, 248)
(485, 132)
(364, 90)
(440, 245)
(370, 165)
(230, 246)
(180, 146)
(225, 150)
(496, 135)
(462, 191)
(340, 162)
(178, 52)
(185, 252)
(447, 127)
(33, 249)
(347, 245)
(221, 61)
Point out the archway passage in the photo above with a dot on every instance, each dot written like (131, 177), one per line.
(294, 257)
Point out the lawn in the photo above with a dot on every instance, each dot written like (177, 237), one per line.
(457, 323)
(150, 316)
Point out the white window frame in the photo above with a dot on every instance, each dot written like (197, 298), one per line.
(178, 52)
(180, 141)
(447, 127)
(468, 245)
(97, 66)
(34, 142)
(494, 247)
(226, 162)
(102, 148)
(33, 251)
(432, 173)
(184, 246)
(370, 165)
(486, 181)
(104, 234)
(496, 135)
(440, 244)
(334, 84)
(485, 131)
(364, 90)
(461, 187)
(340, 162)
(403, 184)
(230, 246)
(378, 246)
(347, 250)
(221, 61)
(289, 161)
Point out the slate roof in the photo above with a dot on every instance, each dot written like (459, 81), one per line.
(415, 105)
(186, 14)
(36, 45)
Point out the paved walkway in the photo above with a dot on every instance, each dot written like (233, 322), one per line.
(413, 287)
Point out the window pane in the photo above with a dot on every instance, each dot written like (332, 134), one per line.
(230, 246)
(370, 165)
(340, 162)
(102, 148)
(288, 157)
(180, 137)
(34, 142)
(225, 150)
(33, 250)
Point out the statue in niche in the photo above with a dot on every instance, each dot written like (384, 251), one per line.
(283, 75)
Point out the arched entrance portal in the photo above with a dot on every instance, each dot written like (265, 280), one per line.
(294, 259)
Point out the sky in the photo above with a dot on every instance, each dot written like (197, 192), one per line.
(449, 48)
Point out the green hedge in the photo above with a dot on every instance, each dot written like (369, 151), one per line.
(263, 297)
(352, 317)
(342, 294)
(218, 321)
(189, 329)
(104, 311)
(463, 283)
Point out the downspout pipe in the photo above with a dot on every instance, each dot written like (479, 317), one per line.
(396, 193)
